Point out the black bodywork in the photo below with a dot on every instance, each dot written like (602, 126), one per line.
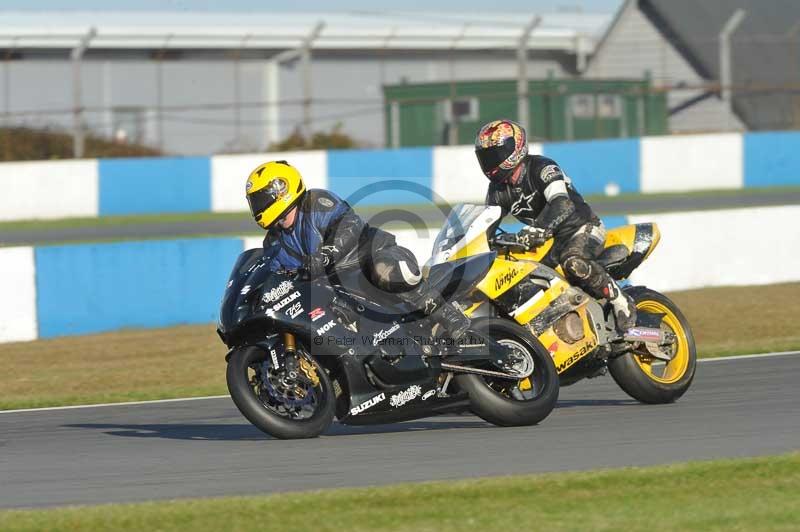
(376, 346)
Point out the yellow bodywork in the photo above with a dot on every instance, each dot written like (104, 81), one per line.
(510, 269)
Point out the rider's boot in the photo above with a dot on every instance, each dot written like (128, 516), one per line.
(447, 315)
(623, 306)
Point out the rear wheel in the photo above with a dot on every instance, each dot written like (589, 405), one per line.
(645, 377)
(286, 404)
(508, 402)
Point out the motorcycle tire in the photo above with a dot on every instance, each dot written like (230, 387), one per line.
(635, 374)
(498, 408)
(264, 419)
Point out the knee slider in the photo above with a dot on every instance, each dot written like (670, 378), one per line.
(577, 268)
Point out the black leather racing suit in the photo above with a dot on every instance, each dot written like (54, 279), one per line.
(327, 224)
(544, 197)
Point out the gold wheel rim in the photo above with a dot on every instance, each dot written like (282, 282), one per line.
(676, 368)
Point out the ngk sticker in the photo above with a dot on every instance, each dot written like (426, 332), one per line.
(325, 328)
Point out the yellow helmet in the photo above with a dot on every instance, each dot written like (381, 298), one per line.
(272, 190)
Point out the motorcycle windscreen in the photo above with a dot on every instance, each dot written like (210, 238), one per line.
(456, 226)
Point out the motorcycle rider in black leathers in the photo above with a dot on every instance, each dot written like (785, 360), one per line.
(317, 232)
(536, 191)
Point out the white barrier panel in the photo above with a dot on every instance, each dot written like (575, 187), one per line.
(719, 248)
(691, 162)
(48, 189)
(229, 174)
(252, 242)
(17, 295)
(457, 177)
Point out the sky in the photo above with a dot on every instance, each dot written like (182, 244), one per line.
(591, 6)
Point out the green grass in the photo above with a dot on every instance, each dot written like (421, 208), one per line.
(188, 361)
(759, 494)
(424, 210)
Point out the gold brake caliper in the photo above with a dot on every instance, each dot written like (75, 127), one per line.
(309, 371)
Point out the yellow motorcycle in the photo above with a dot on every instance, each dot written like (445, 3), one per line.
(654, 362)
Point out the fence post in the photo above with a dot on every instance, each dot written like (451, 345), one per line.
(78, 134)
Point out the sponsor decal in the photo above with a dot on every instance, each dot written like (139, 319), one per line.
(574, 358)
(249, 185)
(553, 347)
(506, 278)
(369, 403)
(274, 356)
(295, 310)
(282, 303)
(316, 314)
(427, 395)
(230, 283)
(409, 394)
(550, 172)
(645, 334)
(325, 202)
(278, 292)
(325, 328)
(382, 335)
(245, 289)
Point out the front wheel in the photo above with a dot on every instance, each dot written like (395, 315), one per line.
(646, 378)
(286, 404)
(510, 403)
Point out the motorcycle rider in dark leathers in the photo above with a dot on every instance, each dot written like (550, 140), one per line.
(316, 232)
(537, 192)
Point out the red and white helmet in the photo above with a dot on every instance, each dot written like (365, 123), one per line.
(500, 146)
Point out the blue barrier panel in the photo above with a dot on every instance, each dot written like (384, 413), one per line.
(771, 159)
(593, 164)
(88, 288)
(146, 186)
(382, 177)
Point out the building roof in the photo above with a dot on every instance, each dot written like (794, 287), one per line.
(405, 31)
(765, 50)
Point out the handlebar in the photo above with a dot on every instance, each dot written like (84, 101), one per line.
(508, 240)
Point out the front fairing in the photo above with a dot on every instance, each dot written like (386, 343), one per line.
(247, 278)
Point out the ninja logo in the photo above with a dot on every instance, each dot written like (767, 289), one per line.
(504, 279)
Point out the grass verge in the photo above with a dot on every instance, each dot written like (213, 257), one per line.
(188, 361)
(744, 494)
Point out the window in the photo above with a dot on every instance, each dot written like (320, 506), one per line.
(461, 110)
(601, 105)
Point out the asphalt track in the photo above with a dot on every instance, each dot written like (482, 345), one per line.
(125, 453)
(426, 215)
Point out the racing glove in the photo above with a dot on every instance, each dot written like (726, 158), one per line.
(532, 237)
(315, 264)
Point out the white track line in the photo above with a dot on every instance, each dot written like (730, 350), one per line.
(179, 400)
(153, 402)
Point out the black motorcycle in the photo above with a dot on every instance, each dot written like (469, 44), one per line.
(303, 351)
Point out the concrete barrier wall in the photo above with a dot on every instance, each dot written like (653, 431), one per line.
(408, 176)
(49, 190)
(53, 291)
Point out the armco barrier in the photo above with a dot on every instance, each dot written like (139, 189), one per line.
(63, 290)
(61, 189)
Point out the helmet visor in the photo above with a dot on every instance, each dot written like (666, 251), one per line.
(260, 201)
(492, 157)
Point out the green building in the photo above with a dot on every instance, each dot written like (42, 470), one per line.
(445, 113)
